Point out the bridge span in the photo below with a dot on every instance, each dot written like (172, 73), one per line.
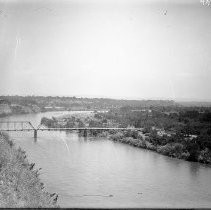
(7, 126)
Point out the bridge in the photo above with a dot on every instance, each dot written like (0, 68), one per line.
(27, 126)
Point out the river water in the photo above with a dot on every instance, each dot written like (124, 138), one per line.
(100, 173)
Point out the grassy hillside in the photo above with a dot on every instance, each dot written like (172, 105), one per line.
(20, 185)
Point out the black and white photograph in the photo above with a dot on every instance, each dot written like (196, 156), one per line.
(105, 104)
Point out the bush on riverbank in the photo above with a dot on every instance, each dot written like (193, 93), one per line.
(137, 142)
(176, 150)
(20, 185)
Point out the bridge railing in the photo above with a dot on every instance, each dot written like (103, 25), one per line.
(27, 126)
(16, 126)
(87, 128)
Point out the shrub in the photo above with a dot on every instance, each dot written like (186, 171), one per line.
(173, 149)
(117, 136)
(205, 156)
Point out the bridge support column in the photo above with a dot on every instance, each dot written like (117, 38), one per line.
(35, 134)
(85, 133)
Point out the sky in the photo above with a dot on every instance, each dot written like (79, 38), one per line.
(130, 49)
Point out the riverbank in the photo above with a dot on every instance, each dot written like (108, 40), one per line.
(174, 150)
(137, 139)
(20, 186)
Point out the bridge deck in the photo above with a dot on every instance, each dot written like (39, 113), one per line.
(87, 128)
(63, 129)
(6, 121)
(30, 129)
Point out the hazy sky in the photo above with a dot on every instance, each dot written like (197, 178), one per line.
(103, 48)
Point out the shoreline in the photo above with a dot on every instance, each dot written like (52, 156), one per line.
(144, 144)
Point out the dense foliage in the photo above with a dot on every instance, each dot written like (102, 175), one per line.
(181, 132)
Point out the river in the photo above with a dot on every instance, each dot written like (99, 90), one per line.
(101, 173)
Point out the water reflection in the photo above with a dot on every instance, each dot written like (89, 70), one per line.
(194, 168)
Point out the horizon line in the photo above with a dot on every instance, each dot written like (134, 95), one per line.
(117, 98)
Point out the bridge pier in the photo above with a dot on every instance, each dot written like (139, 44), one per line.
(85, 133)
(35, 134)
